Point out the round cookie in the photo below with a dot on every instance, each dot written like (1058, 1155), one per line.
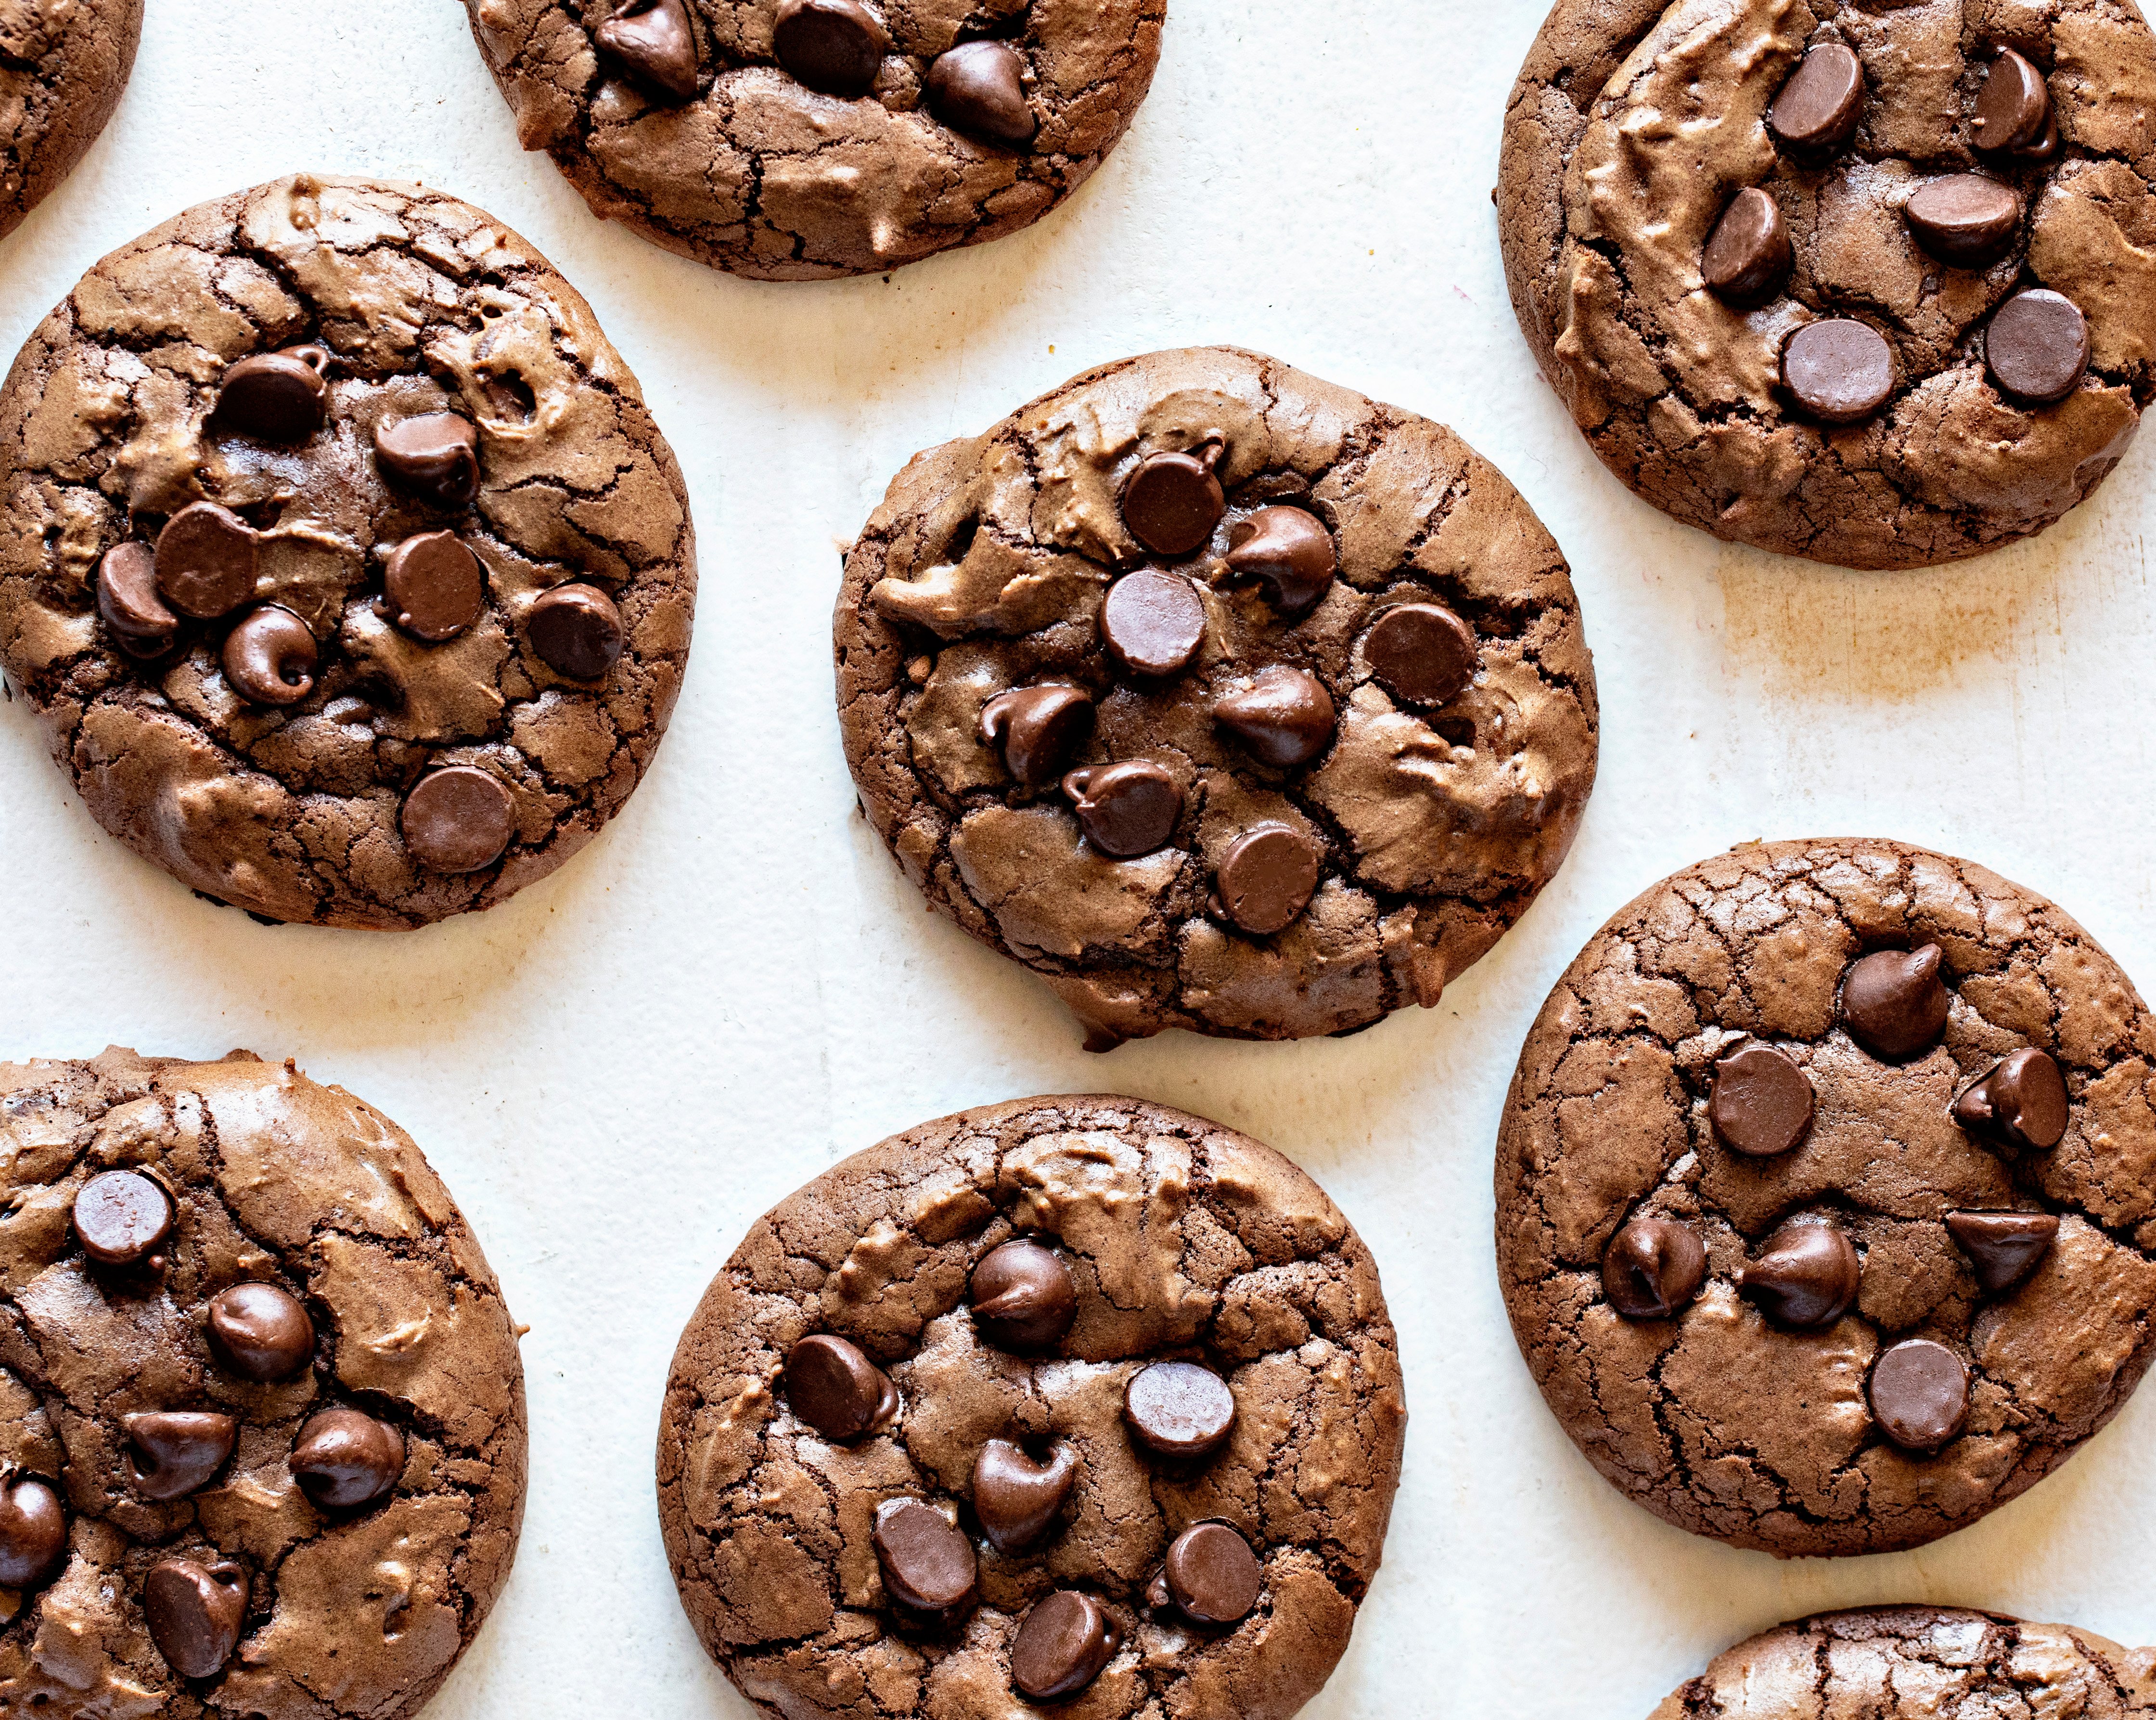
(795, 140)
(63, 66)
(1072, 1397)
(1868, 284)
(262, 1449)
(1220, 697)
(339, 557)
(1824, 1195)
(1916, 1662)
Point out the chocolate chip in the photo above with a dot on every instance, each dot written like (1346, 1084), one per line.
(1894, 1002)
(1179, 1409)
(1652, 1268)
(1964, 219)
(1841, 370)
(33, 1535)
(835, 46)
(270, 658)
(275, 397)
(1806, 1277)
(174, 1452)
(928, 1564)
(2013, 107)
(1022, 1296)
(1748, 254)
(1289, 553)
(121, 1218)
(1171, 502)
(979, 87)
(1016, 1498)
(1284, 717)
(1266, 877)
(652, 38)
(1213, 1577)
(1036, 729)
(1761, 1102)
(1920, 1393)
(435, 585)
(260, 1332)
(205, 561)
(2036, 345)
(1816, 108)
(1421, 652)
(458, 819)
(1125, 810)
(434, 456)
(2022, 1102)
(2003, 1248)
(576, 630)
(1152, 622)
(1063, 1644)
(345, 1458)
(127, 598)
(194, 1613)
(836, 1389)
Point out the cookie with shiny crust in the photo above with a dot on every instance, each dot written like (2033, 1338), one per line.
(1354, 656)
(1158, 1238)
(304, 1315)
(717, 129)
(1915, 1304)
(1635, 124)
(340, 558)
(63, 66)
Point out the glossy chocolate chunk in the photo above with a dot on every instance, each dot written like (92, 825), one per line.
(1894, 1001)
(1267, 876)
(1748, 254)
(1125, 810)
(127, 598)
(1289, 553)
(2036, 345)
(834, 1387)
(174, 1452)
(121, 1218)
(1964, 219)
(1841, 370)
(654, 39)
(458, 819)
(928, 1564)
(1036, 729)
(1062, 1646)
(2020, 1102)
(1015, 1498)
(1761, 1102)
(576, 630)
(434, 456)
(270, 657)
(274, 396)
(1421, 652)
(435, 586)
(1179, 1409)
(979, 87)
(1172, 500)
(2003, 1248)
(260, 1332)
(1152, 622)
(1284, 717)
(345, 1458)
(1211, 1574)
(834, 46)
(1817, 107)
(1920, 1393)
(1806, 1277)
(1022, 1296)
(33, 1534)
(2013, 108)
(205, 561)
(1653, 1268)
(193, 1612)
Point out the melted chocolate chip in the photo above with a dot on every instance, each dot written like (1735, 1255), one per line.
(2013, 108)
(205, 561)
(979, 87)
(1653, 1268)
(2036, 345)
(1179, 1409)
(274, 396)
(1289, 553)
(1036, 729)
(1894, 1001)
(1062, 1646)
(33, 1534)
(1964, 219)
(435, 585)
(1806, 1276)
(270, 657)
(261, 1332)
(2020, 1102)
(344, 1459)
(2003, 1248)
(1748, 254)
(1284, 717)
(1421, 652)
(1267, 876)
(654, 39)
(1816, 109)
(1761, 1102)
(1125, 810)
(194, 1612)
(1212, 1575)
(1841, 370)
(1022, 1296)
(121, 1218)
(928, 1564)
(1920, 1393)
(576, 630)
(174, 1452)
(1171, 502)
(836, 1389)
(127, 598)
(1015, 1498)
(458, 819)
(434, 456)
(834, 46)
(1151, 622)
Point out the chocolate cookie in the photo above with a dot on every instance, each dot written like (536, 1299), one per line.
(1826, 1191)
(1916, 1663)
(1871, 285)
(791, 140)
(1077, 1397)
(339, 556)
(63, 66)
(1221, 697)
(262, 1434)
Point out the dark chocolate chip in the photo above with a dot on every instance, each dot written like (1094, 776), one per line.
(270, 657)
(194, 1612)
(1761, 1102)
(1022, 1296)
(979, 87)
(345, 1458)
(1816, 108)
(274, 396)
(2013, 107)
(576, 630)
(1284, 717)
(205, 561)
(834, 46)
(1653, 1268)
(260, 1332)
(2020, 1102)
(1894, 1001)
(654, 39)
(1267, 876)
(1920, 1393)
(458, 819)
(1748, 254)
(1172, 500)
(435, 585)
(174, 1452)
(1152, 622)
(1421, 652)
(1806, 1277)
(1841, 370)
(2036, 345)
(2044, 148)
(1036, 729)
(1964, 219)
(1015, 1498)
(928, 1564)
(434, 456)
(2003, 1248)
(127, 598)
(1125, 810)
(1063, 1644)
(33, 1535)
(1179, 1409)
(121, 1218)
(1289, 553)
(1212, 1575)
(836, 1389)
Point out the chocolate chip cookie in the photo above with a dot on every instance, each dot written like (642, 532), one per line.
(63, 66)
(339, 557)
(1220, 697)
(262, 1432)
(791, 140)
(1915, 1663)
(1076, 1398)
(1871, 285)
(1827, 1191)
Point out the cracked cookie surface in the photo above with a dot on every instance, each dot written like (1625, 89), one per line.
(1362, 650)
(64, 65)
(255, 717)
(685, 120)
(1635, 124)
(1771, 1433)
(1183, 1242)
(265, 1179)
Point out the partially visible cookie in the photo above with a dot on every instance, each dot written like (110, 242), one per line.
(1073, 1399)
(63, 66)
(1826, 1190)
(262, 1427)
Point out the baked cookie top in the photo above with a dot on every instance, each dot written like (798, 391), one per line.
(262, 1429)
(339, 557)
(1075, 1398)
(1220, 697)
(64, 65)
(1872, 285)
(1826, 1188)
(791, 140)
